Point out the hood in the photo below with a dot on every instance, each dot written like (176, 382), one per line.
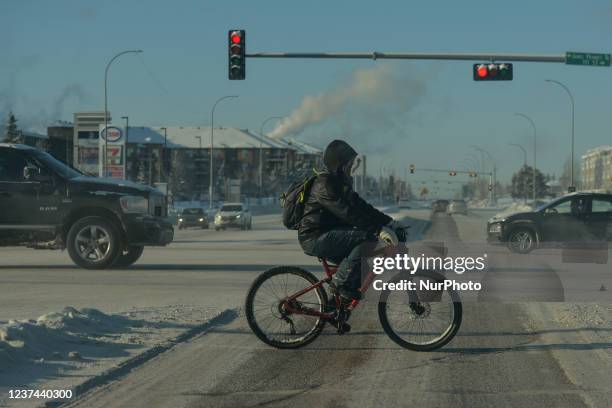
(337, 154)
(512, 216)
(112, 185)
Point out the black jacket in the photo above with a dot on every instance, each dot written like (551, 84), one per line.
(332, 203)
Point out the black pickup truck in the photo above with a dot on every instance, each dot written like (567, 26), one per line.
(103, 223)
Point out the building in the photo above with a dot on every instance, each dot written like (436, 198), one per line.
(597, 169)
(86, 139)
(180, 156)
(60, 137)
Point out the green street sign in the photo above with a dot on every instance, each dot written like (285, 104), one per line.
(589, 59)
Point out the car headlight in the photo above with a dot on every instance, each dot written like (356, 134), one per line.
(201, 220)
(495, 227)
(238, 216)
(218, 217)
(134, 204)
(180, 220)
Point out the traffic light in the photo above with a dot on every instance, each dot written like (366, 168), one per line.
(473, 174)
(490, 187)
(412, 167)
(236, 54)
(493, 72)
(452, 173)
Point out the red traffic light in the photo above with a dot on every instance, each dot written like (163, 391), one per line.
(236, 54)
(482, 71)
(236, 38)
(493, 72)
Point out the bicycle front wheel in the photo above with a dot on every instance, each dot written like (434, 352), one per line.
(420, 320)
(268, 316)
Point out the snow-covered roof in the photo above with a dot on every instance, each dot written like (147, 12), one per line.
(303, 147)
(188, 137)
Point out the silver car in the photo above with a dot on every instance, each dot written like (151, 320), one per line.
(233, 215)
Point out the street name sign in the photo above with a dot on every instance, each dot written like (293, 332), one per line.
(586, 58)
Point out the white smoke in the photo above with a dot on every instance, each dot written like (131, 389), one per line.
(378, 93)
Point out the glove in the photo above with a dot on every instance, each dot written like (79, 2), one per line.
(388, 235)
(395, 225)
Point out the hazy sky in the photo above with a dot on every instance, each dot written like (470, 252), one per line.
(426, 113)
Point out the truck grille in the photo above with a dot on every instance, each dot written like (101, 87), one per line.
(157, 205)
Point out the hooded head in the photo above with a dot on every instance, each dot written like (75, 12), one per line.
(337, 155)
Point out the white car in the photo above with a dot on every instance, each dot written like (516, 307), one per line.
(234, 215)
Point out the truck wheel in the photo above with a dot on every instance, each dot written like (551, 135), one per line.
(127, 258)
(93, 243)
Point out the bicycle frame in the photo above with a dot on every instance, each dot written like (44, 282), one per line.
(330, 270)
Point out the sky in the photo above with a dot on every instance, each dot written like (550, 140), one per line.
(396, 112)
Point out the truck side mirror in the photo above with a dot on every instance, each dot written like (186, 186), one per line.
(33, 173)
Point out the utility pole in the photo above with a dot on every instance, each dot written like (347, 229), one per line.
(535, 138)
(572, 186)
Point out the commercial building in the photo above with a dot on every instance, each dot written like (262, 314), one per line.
(597, 169)
(86, 134)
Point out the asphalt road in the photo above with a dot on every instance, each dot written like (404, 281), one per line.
(505, 355)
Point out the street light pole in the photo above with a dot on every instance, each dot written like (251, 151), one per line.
(524, 165)
(164, 151)
(261, 151)
(572, 186)
(105, 164)
(535, 137)
(212, 135)
(493, 195)
(127, 130)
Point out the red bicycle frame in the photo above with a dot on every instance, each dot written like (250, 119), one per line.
(330, 270)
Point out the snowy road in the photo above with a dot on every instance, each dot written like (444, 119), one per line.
(505, 355)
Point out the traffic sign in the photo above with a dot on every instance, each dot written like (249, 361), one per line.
(585, 58)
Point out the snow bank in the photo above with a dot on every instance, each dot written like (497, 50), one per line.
(56, 335)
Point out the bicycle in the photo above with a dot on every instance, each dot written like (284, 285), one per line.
(298, 307)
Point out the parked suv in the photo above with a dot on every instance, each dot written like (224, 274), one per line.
(233, 215)
(45, 204)
(574, 218)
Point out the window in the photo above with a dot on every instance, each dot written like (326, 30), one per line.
(602, 205)
(11, 166)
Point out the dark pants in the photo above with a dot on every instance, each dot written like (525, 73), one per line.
(346, 246)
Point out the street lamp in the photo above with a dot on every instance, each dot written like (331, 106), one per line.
(127, 127)
(261, 151)
(572, 186)
(525, 165)
(164, 160)
(212, 135)
(493, 196)
(104, 167)
(535, 138)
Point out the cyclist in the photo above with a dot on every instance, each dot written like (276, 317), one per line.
(339, 225)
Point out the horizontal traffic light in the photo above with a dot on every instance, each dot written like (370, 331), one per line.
(473, 174)
(452, 173)
(237, 54)
(493, 72)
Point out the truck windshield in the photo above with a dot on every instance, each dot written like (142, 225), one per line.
(57, 166)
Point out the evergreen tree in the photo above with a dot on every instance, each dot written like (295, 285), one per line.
(11, 131)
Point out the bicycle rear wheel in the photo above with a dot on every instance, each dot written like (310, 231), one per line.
(417, 320)
(269, 319)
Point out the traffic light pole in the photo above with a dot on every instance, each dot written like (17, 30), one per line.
(558, 58)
